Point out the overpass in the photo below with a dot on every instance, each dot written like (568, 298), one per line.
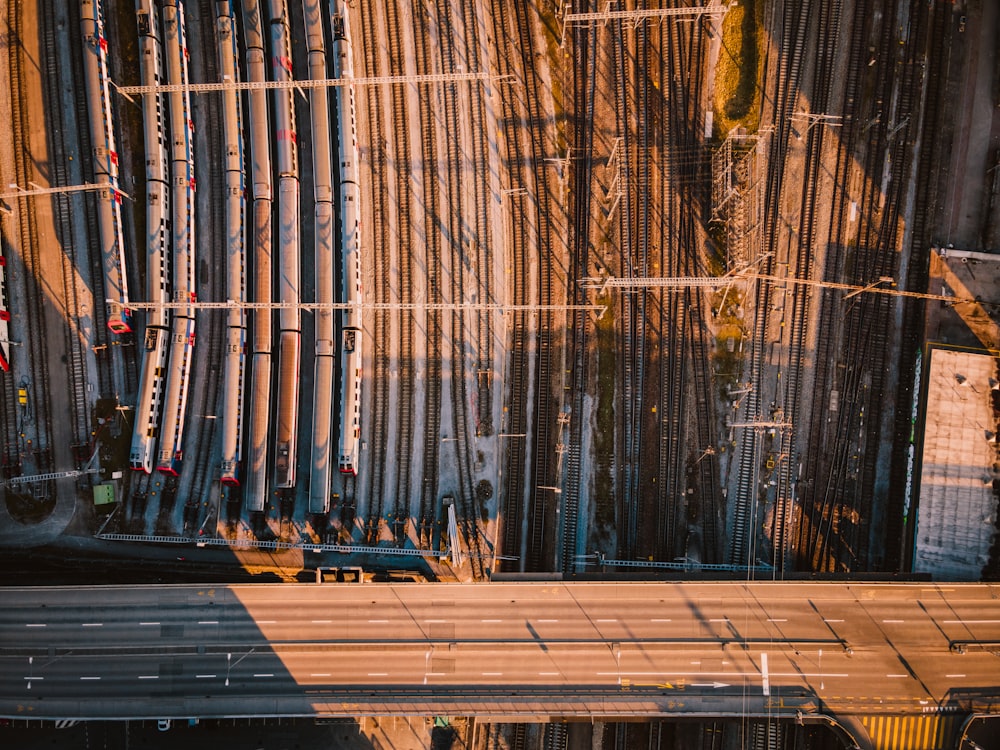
(524, 651)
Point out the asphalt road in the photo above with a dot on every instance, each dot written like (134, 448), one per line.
(497, 649)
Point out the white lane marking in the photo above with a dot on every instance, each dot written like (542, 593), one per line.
(263, 674)
(492, 674)
(543, 620)
(320, 674)
(894, 621)
(827, 619)
(954, 675)
(91, 624)
(149, 623)
(208, 622)
(203, 676)
(90, 678)
(435, 620)
(776, 619)
(377, 622)
(266, 622)
(491, 621)
(897, 676)
(149, 677)
(548, 674)
(32, 679)
(661, 619)
(434, 674)
(34, 624)
(719, 619)
(766, 680)
(971, 622)
(378, 674)
(607, 619)
(322, 622)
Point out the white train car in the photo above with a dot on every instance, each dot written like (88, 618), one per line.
(109, 219)
(149, 403)
(321, 460)
(289, 318)
(235, 355)
(352, 338)
(4, 317)
(255, 466)
(182, 338)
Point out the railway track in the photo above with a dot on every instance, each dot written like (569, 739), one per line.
(511, 502)
(404, 269)
(32, 317)
(433, 318)
(584, 40)
(210, 327)
(543, 516)
(791, 36)
(382, 353)
(76, 364)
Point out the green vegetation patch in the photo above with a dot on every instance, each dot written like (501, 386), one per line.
(738, 71)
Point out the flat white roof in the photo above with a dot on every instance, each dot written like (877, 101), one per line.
(955, 515)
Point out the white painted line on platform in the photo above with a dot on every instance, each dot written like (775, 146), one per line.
(32, 679)
(776, 619)
(491, 621)
(149, 623)
(543, 620)
(203, 676)
(208, 622)
(322, 622)
(827, 619)
(263, 674)
(954, 675)
(91, 624)
(320, 674)
(379, 622)
(34, 625)
(607, 619)
(894, 622)
(766, 680)
(971, 622)
(266, 622)
(435, 620)
(149, 677)
(719, 619)
(897, 676)
(90, 678)
(660, 619)
(547, 674)
(377, 674)
(492, 674)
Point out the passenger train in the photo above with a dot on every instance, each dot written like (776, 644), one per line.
(235, 355)
(183, 237)
(350, 236)
(255, 488)
(149, 403)
(4, 317)
(109, 219)
(324, 363)
(289, 318)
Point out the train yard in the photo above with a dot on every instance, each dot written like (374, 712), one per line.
(387, 310)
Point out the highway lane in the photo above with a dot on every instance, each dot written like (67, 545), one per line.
(222, 650)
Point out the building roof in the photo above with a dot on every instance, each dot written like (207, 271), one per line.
(955, 514)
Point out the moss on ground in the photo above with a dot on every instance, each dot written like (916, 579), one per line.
(738, 71)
